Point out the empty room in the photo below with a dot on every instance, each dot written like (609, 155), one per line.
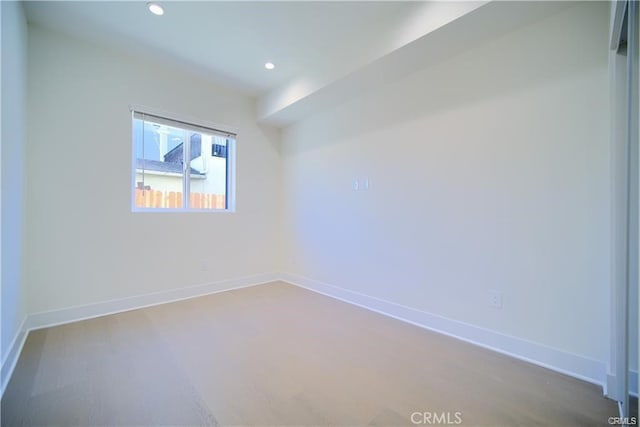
(319, 213)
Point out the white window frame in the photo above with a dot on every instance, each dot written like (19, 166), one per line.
(197, 125)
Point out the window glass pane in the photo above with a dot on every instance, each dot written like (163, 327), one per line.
(159, 165)
(179, 165)
(208, 182)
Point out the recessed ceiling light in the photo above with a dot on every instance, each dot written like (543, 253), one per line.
(155, 8)
(269, 66)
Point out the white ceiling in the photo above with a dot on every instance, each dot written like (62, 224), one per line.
(324, 51)
(229, 41)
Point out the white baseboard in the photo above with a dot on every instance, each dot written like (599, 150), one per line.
(633, 385)
(590, 370)
(74, 314)
(11, 359)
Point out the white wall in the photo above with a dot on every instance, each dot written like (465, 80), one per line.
(14, 85)
(487, 171)
(83, 243)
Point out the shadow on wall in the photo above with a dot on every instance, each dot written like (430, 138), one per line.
(272, 135)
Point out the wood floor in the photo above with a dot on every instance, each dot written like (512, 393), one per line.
(279, 355)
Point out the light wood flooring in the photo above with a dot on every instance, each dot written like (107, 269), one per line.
(277, 354)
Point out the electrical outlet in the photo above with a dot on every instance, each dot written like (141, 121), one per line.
(204, 266)
(355, 185)
(495, 299)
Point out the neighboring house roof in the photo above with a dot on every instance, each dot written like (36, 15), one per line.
(167, 167)
(175, 155)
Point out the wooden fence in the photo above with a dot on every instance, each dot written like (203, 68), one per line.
(173, 199)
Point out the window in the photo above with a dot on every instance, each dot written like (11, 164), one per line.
(181, 166)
